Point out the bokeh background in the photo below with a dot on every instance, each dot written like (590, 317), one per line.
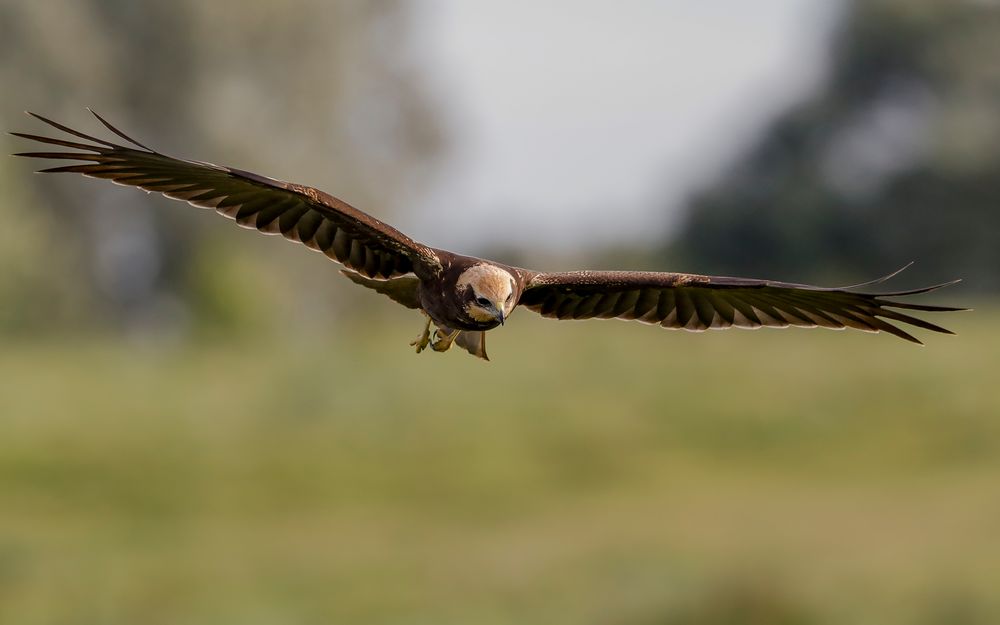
(203, 426)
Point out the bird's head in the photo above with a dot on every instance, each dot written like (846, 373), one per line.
(487, 293)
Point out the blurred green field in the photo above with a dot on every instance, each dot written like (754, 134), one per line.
(592, 473)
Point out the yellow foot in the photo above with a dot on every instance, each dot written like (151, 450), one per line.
(425, 337)
(442, 342)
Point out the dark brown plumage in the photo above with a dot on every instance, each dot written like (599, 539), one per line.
(465, 296)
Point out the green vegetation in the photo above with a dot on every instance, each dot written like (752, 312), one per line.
(594, 472)
(258, 454)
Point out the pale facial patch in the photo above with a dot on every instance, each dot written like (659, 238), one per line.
(491, 282)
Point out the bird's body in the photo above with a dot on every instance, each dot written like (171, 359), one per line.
(464, 296)
(461, 297)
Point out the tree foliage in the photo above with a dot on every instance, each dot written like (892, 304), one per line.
(897, 159)
(323, 93)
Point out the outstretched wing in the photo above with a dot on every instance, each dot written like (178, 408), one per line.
(697, 303)
(299, 213)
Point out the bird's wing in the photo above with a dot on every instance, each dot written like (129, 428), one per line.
(696, 303)
(299, 213)
(402, 290)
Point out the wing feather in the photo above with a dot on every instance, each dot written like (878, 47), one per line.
(299, 213)
(696, 303)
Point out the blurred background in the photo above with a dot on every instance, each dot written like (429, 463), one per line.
(201, 425)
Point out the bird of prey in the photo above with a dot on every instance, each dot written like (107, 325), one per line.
(464, 296)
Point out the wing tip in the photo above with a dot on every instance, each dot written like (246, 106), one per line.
(41, 118)
(121, 134)
(882, 279)
(886, 278)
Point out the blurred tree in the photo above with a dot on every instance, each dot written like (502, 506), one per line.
(318, 92)
(897, 159)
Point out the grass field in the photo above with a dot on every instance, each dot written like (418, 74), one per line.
(593, 473)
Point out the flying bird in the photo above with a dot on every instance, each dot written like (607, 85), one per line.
(463, 296)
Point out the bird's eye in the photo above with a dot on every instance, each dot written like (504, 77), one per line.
(482, 301)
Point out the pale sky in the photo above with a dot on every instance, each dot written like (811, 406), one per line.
(562, 114)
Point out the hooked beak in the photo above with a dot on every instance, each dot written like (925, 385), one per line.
(498, 313)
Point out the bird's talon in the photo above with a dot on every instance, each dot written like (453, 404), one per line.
(425, 337)
(442, 342)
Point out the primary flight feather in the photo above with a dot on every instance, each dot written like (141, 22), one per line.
(464, 296)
